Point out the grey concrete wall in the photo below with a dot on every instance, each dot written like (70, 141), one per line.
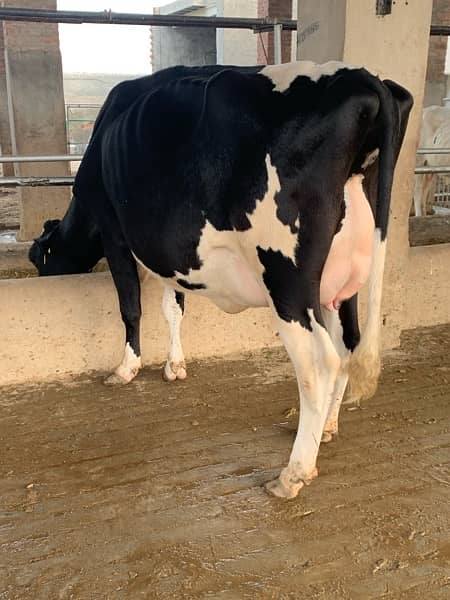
(321, 29)
(435, 92)
(237, 46)
(183, 46)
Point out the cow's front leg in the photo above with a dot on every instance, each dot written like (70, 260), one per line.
(316, 364)
(124, 272)
(173, 309)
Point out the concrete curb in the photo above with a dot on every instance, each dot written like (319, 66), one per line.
(54, 327)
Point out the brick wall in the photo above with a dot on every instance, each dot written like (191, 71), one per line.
(436, 80)
(281, 9)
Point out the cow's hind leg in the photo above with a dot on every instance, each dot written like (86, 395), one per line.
(344, 332)
(173, 309)
(316, 364)
(124, 272)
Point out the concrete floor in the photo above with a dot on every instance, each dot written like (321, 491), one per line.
(154, 490)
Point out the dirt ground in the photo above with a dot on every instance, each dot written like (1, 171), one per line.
(154, 490)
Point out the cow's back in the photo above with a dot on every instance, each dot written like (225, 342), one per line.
(88, 182)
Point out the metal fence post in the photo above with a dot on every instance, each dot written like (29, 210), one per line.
(277, 29)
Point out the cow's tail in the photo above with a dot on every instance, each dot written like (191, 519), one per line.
(365, 362)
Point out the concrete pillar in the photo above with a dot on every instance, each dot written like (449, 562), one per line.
(236, 46)
(5, 135)
(394, 46)
(36, 111)
(321, 29)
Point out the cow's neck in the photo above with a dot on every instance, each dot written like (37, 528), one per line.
(80, 235)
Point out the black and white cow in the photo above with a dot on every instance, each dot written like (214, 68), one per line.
(265, 186)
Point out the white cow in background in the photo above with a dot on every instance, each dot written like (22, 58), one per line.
(435, 133)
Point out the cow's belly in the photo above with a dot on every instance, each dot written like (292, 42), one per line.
(229, 281)
(224, 277)
(348, 263)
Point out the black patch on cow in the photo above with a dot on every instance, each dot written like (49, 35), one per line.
(287, 202)
(191, 286)
(348, 315)
(179, 297)
(153, 180)
(288, 289)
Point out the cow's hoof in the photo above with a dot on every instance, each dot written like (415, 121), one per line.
(115, 379)
(286, 486)
(174, 370)
(278, 489)
(121, 377)
(328, 436)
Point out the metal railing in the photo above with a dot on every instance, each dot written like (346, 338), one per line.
(108, 17)
(18, 181)
(48, 158)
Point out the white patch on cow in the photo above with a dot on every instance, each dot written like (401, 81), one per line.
(175, 367)
(230, 269)
(230, 281)
(267, 231)
(317, 365)
(365, 364)
(334, 327)
(370, 158)
(130, 365)
(283, 75)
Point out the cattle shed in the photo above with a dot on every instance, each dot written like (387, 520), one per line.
(417, 285)
(154, 489)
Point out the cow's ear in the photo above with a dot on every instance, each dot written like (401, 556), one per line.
(51, 225)
(238, 100)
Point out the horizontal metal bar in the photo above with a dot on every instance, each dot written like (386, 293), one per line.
(433, 151)
(73, 105)
(35, 181)
(440, 30)
(55, 158)
(78, 157)
(424, 170)
(108, 17)
(68, 181)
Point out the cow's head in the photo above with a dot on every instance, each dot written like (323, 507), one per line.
(49, 254)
